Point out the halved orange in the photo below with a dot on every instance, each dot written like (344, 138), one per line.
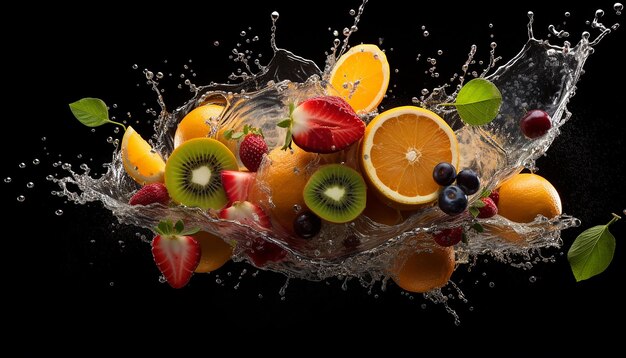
(140, 161)
(399, 151)
(361, 77)
(196, 123)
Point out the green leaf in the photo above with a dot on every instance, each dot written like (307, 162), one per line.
(478, 102)
(592, 251)
(284, 123)
(485, 193)
(478, 227)
(228, 134)
(236, 135)
(474, 211)
(164, 227)
(179, 227)
(479, 204)
(92, 112)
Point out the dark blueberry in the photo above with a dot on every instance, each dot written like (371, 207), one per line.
(535, 123)
(452, 200)
(307, 225)
(468, 180)
(444, 174)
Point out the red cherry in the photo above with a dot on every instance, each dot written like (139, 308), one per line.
(535, 123)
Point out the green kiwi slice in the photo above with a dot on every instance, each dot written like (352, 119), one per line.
(192, 173)
(336, 193)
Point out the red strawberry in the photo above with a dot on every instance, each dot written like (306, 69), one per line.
(325, 124)
(488, 210)
(449, 237)
(251, 151)
(246, 213)
(261, 252)
(150, 194)
(236, 184)
(495, 196)
(175, 252)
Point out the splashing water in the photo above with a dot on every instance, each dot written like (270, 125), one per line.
(542, 75)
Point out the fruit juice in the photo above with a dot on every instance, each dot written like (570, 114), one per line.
(543, 75)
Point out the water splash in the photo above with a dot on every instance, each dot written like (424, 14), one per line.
(542, 75)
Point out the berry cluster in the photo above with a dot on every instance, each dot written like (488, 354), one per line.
(453, 197)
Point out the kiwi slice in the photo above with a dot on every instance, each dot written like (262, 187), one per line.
(336, 193)
(192, 173)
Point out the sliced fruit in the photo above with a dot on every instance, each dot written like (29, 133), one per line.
(214, 252)
(422, 270)
(336, 193)
(150, 194)
(140, 161)
(246, 213)
(279, 185)
(399, 152)
(236, 184)
(325, 124)
(361, 76)
(192, 173)
(175, 253)
(527, 195)
(196, 123)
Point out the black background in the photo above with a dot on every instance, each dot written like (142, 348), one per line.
(69, 296)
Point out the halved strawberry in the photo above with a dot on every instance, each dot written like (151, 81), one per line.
(324, 124)
(246, 213)
(150, 194)
(236, 184)
(175, 253)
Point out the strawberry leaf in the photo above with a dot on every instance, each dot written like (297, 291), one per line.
(285, 123)
(474, 211)
(485, 193)
(228, 134)
(592, 251)
(478, 227)
(179, 227)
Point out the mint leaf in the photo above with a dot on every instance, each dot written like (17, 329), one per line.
(478, 102)
(92, 112)
(592, 251)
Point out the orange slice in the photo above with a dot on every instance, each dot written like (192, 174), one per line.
(196, 123)
(399, 151)
(140, 161)
(361, 77)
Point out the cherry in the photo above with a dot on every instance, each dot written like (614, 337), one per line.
(535, 123)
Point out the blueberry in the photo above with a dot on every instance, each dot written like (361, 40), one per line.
(307, 225)
(444, 174)
(452, 200)
(535, 123)
(468, 180)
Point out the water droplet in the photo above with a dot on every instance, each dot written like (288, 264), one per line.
(532, 279)
(216, 43)
(111, 283)
(7, 179)
(135, 67)
(492, 284)
(275, 15)
(58, 212)
(426, 33)
(439, 52)
(471, 308)
(21, 198)
(30, 185)
(149, 75)
(396, 70)
(159, 75)
(354, 28)
(567, 14)
(491, 26)
(296, 208)
(423, 306)
(43, 139)
(242, 33)
(346, 31)
(335, 33)
(352, 12)
(493, 45)
(260, 295)
(22, 165)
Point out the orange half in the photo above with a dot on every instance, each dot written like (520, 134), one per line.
(140, 161)
(361, 77)
(399, 151)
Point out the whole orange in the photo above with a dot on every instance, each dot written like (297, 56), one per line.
(279, 184)
(527, 195)
(214, 252)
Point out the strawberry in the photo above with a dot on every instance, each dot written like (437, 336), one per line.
(489, 209)
(449, 237)
(252, 147)
(175, 252)
(251, 151)
(495, 196)
(150, 194)
(236, 184)
(246, 213)
(324, 124)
